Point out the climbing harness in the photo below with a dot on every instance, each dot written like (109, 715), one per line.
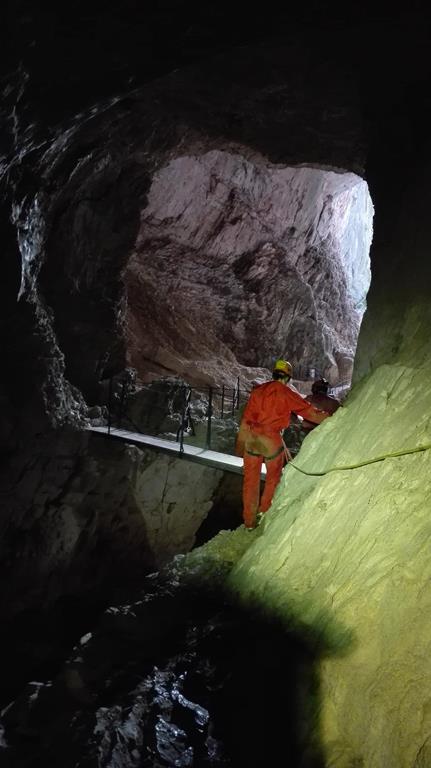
(342, 468)
(273, 455)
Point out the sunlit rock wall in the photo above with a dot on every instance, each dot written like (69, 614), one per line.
(241, 260)
(345, 557)
(73, 188)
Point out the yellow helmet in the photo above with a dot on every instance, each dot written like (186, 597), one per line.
(283, 367)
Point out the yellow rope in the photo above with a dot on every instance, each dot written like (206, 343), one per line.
(362, 463)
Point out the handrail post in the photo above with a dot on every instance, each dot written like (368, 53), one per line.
(237, 393)
(180, 431)
(122, 398)
(210, 413)
(222, 401)
(182, 436)
(190, 425)
(109, 405)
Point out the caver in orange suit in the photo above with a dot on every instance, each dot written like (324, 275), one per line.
(259, 439)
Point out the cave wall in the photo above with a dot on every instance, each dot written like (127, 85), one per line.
(396, 327)
(344, 558)
(295, 92)
(318, 98)
(88, 518)
(76, 190)
(72, 193)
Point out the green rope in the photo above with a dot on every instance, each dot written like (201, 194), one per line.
(362, 463)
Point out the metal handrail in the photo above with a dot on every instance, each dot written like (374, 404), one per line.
(186, 422)
(209, 417)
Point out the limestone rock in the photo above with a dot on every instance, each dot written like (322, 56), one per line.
(257, 261)
(174, 500)
(345, 559)
(99, 515)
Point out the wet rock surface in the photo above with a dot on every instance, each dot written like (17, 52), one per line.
(84, 520)
(178, 677)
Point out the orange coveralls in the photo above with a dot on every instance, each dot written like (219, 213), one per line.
(259, 439)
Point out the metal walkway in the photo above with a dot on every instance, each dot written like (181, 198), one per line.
(223, 461)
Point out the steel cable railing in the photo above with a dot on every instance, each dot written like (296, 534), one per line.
(194, 409)
(214, 403)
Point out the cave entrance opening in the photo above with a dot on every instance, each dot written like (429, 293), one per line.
(238, 261)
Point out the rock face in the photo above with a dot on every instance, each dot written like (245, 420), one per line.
(344, 557)
(152, 683)
(174, 502)
(240, 260)
(100, 513)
